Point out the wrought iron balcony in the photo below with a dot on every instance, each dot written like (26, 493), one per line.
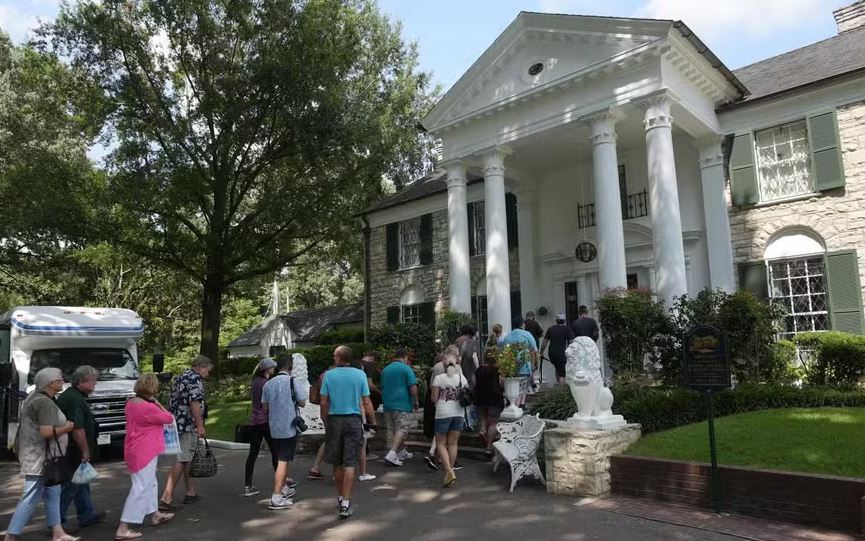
(635, 205)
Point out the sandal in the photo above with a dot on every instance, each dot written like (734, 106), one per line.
(163, 519)
(191, 498)
(69, 538)
(314, 475)
(128, 536)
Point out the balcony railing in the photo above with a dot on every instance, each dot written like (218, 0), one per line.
(635, 205)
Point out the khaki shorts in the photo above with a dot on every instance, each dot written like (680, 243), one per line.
(188, 446)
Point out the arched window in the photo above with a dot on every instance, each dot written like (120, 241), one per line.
(411, 302)
(796, 261)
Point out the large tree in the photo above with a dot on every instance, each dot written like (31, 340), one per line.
(246, 133)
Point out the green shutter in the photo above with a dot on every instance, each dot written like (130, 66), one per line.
(470, 210)
(511, 216)
(426, 239)
(752, 277)
(428, 313)
(845, 292)
(826, 163)
(393, 314)
(392, 246)
(743, 172)
(516, 304)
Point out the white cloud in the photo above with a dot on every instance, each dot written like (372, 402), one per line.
(753, 18)
(19, 17)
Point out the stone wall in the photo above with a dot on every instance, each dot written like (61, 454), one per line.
(838, 216)
(432, 280)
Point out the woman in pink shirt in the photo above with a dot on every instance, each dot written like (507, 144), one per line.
(144, 443)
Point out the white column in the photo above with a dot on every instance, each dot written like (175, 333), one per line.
(526, 232)
(458, 239)
(608, 202)
(717, 219)
(667, 244)
(498, 271)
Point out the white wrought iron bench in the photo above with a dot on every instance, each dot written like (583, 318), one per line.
(518, 447)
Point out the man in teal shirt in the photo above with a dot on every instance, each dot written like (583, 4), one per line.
(399, 398)
(519, 335)
(344, 390)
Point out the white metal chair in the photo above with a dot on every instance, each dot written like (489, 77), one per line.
(518, 447)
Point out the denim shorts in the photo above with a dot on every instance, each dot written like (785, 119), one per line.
(449, 424)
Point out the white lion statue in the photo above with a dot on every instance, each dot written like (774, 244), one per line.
(311, 413)
(583, 375)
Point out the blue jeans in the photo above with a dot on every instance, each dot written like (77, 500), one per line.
(34, 491)
(80, 494)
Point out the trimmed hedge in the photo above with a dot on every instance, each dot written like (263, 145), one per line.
(341, 336)
(837, 358)
(663, 408)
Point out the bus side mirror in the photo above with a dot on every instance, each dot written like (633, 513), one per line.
(158, 362)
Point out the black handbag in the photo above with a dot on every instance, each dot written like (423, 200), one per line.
(298, 422)
(56, 469)
(203, 462)
(464, 395)
(242, 433)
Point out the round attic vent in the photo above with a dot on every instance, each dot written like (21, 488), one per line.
(536, 68)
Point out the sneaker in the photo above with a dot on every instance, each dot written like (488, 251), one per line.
(404, 455)
(345, 511)
(392, 458)
(291, 483)
(431, 462)
(288, 492)
(250, 491)
(366, 477)
(457, 466)
(282, 503)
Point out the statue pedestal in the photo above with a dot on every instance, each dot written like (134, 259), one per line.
(600, 422)
(578, 461)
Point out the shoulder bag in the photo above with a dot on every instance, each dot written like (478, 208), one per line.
(56, 469)
(464, 394)
(203, 462)
(298, 422)
(243, 431)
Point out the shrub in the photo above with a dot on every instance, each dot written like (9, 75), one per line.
(448, 326)
(663, 408)
(320, 358)
(340, 336)
(832, 357)
(634, 326)
(417, 337)
(784, 367)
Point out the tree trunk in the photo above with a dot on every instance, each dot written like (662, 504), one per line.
(211, 316)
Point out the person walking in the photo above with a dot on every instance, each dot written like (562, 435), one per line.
(344, 391)
(73, 403)
(534, 327)
(449, 416)
(259, 429)
(489, 400)
(495, 338)
(42, 423)
(429, 409)
(281, 398)
(469, 351)
(187, 404)
(584, 325)
(558, 338)
(519, 335)
(142, 446)
(399, 400)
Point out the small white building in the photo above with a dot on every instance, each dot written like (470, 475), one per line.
(581, 153)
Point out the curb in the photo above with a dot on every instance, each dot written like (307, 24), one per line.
(233, 446)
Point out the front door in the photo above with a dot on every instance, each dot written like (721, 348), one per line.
(572, 302)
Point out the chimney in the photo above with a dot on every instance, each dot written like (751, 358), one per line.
(850, 17)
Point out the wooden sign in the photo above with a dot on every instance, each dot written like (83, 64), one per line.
(707, 360)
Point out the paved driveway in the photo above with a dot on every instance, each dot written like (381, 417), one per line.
(402, 504)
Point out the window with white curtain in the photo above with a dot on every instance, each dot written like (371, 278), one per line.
(409, 243)
(480, 228)
(799, 285)
(784, 161)
(410, 313)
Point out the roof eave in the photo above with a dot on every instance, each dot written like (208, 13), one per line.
(713, 60)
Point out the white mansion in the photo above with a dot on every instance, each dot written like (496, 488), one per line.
(585, 153)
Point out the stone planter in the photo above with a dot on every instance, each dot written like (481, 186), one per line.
(512, 393)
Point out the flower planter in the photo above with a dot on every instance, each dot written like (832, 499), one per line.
(512, 393)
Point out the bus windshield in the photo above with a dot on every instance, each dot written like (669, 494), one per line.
(112, 363)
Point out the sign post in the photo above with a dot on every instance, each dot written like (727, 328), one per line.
(706, 368)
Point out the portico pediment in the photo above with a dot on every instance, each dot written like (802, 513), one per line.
(539, 51)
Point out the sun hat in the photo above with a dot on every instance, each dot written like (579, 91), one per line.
(265, 363)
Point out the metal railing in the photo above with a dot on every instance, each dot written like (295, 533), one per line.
(635, 205)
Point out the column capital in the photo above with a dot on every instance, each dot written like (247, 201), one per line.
(658, 111)
(711, 154)
(456, 173)
(603, 126)
(494, 160)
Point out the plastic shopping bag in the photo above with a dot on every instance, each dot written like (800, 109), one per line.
(172, 439)
(84, 474)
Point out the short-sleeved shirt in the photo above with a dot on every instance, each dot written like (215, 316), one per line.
(279, 394)
(74, 406)
(522, 336)
(585, 326)
(395, 380)
(534, 329)
(38, 410)
(559, 336)
(448, 404)
(188, 387)
(344, 387)
(258, 416)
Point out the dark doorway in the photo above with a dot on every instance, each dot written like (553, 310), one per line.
(572, 302)
(633, 283)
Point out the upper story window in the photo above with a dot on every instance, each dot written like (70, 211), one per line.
(479, 226)
(409, 243)
(784, 161)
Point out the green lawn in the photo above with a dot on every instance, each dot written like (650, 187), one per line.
(222, 418)
(820, 440)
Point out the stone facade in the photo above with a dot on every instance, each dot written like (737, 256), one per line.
(432, 280)
(578, 462)
(838, 216)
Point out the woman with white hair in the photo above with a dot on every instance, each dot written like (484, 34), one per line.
(43, 426)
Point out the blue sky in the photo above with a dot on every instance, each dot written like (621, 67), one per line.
(451, 34)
